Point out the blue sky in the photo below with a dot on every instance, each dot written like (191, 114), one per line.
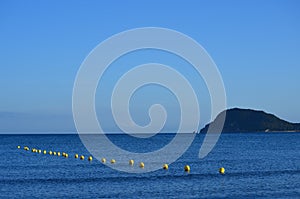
(255, 44)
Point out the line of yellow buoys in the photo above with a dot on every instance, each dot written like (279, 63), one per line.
(103, 160)
(55, 153)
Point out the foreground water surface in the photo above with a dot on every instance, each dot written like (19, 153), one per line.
(257, 165)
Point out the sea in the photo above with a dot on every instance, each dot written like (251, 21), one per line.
(257, 165)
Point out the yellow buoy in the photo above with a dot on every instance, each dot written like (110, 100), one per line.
(90, 158)
(50, 152)
(142, 165)
(26, 148)
(103, 160)
(131, 162)
(58, 153)
(54, 153)
(81, 157)
(113, 161)
(45, 152)
(40, 151)
(187, 168)
(66, 155)
(19, 147)
(76, 156)
(166, 167)
(222, 170)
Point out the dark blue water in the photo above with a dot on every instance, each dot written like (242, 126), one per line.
(257, 166)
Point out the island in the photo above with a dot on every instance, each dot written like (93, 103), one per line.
(247, 120)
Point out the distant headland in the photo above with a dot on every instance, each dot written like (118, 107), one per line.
(247, 120)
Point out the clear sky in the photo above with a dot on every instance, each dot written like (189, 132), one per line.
(255, 44)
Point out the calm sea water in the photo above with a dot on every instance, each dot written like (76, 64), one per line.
(257, 165)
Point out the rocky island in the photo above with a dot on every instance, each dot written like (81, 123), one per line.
(247, 120)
